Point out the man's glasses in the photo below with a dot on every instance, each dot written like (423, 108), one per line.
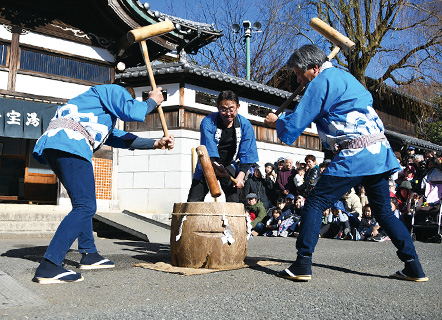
(227, 110)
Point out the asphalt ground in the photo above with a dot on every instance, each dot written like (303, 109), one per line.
(350, 281)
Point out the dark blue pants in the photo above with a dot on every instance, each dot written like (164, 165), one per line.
(330, 189)
(77, 176)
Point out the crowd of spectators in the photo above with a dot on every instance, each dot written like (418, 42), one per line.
(275, 196)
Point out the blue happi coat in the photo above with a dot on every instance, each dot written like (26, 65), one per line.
(342, 110)
(246, 150)
(97, 110)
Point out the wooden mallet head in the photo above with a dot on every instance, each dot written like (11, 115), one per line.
(337, 38)
(156, 29)
(140, 35)
(209, 173)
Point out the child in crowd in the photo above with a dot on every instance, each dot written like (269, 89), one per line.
(395, 207)
(299, 203)
(281, 204)
(338, 225)
(274, 222)
(369, 229)
(299, 177)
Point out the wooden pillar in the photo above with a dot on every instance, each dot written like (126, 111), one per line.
(14, 59)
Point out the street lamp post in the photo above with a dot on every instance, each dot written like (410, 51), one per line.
(247, 35)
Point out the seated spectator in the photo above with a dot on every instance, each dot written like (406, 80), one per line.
(280, 203)
(411, 151)
(284, 180)
(270, 172)
(290, 220)
(369, 229)
(255, 208)
(395, 175)
(270, 179)
(362, 197)
(407, 202)
(288, 226)
(428, 155)
(338, 225)
(311, 176)
(299, 203)
(353, 207)
(421, 167)
(258, 185)
(395, 207)
(299, 177)
(392, 188)
(290, 203)
(279, 164)
(324, 222)
(407, 174)
(273, 223)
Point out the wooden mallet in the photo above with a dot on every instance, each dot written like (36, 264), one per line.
(140, 35)
(337, 38)
(209, 173)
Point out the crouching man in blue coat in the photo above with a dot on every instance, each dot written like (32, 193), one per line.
(342, 110)
(231, 145)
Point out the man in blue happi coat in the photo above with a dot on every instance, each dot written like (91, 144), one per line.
(78, 129)
(231, 145)
(342, 110)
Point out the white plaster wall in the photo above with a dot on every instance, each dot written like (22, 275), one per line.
(3, 80)
(5, 34)
(153, 180)
(48, 87)
(66, 46)
(173, 93)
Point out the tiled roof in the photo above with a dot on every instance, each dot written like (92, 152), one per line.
(180, 67)
(412, 141)
(183, 25)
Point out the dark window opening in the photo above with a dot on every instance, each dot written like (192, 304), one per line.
(205, 98)
(65, 67)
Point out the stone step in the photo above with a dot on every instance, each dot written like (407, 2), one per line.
(26, 234)
(28, 226)
(32, 216)
(21, 220)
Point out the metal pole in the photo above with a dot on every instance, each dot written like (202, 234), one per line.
(248, 35)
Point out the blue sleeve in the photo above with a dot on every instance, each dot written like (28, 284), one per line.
(207, 130)
(290, 126)
(248, 151)
(119, 102)
(118, 138)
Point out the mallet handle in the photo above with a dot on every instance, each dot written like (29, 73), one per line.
(208, 171)
(300, 88)
(153, 84)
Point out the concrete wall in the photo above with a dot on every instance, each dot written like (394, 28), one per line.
(152, 181)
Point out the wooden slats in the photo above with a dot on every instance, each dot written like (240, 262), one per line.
(184, 118)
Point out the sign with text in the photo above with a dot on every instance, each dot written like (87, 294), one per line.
(24, 119)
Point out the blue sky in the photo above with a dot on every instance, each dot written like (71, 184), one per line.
(175, 8)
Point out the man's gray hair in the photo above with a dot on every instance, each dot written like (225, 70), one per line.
(307, 57)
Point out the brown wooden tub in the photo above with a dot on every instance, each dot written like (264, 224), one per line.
(197, 242)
